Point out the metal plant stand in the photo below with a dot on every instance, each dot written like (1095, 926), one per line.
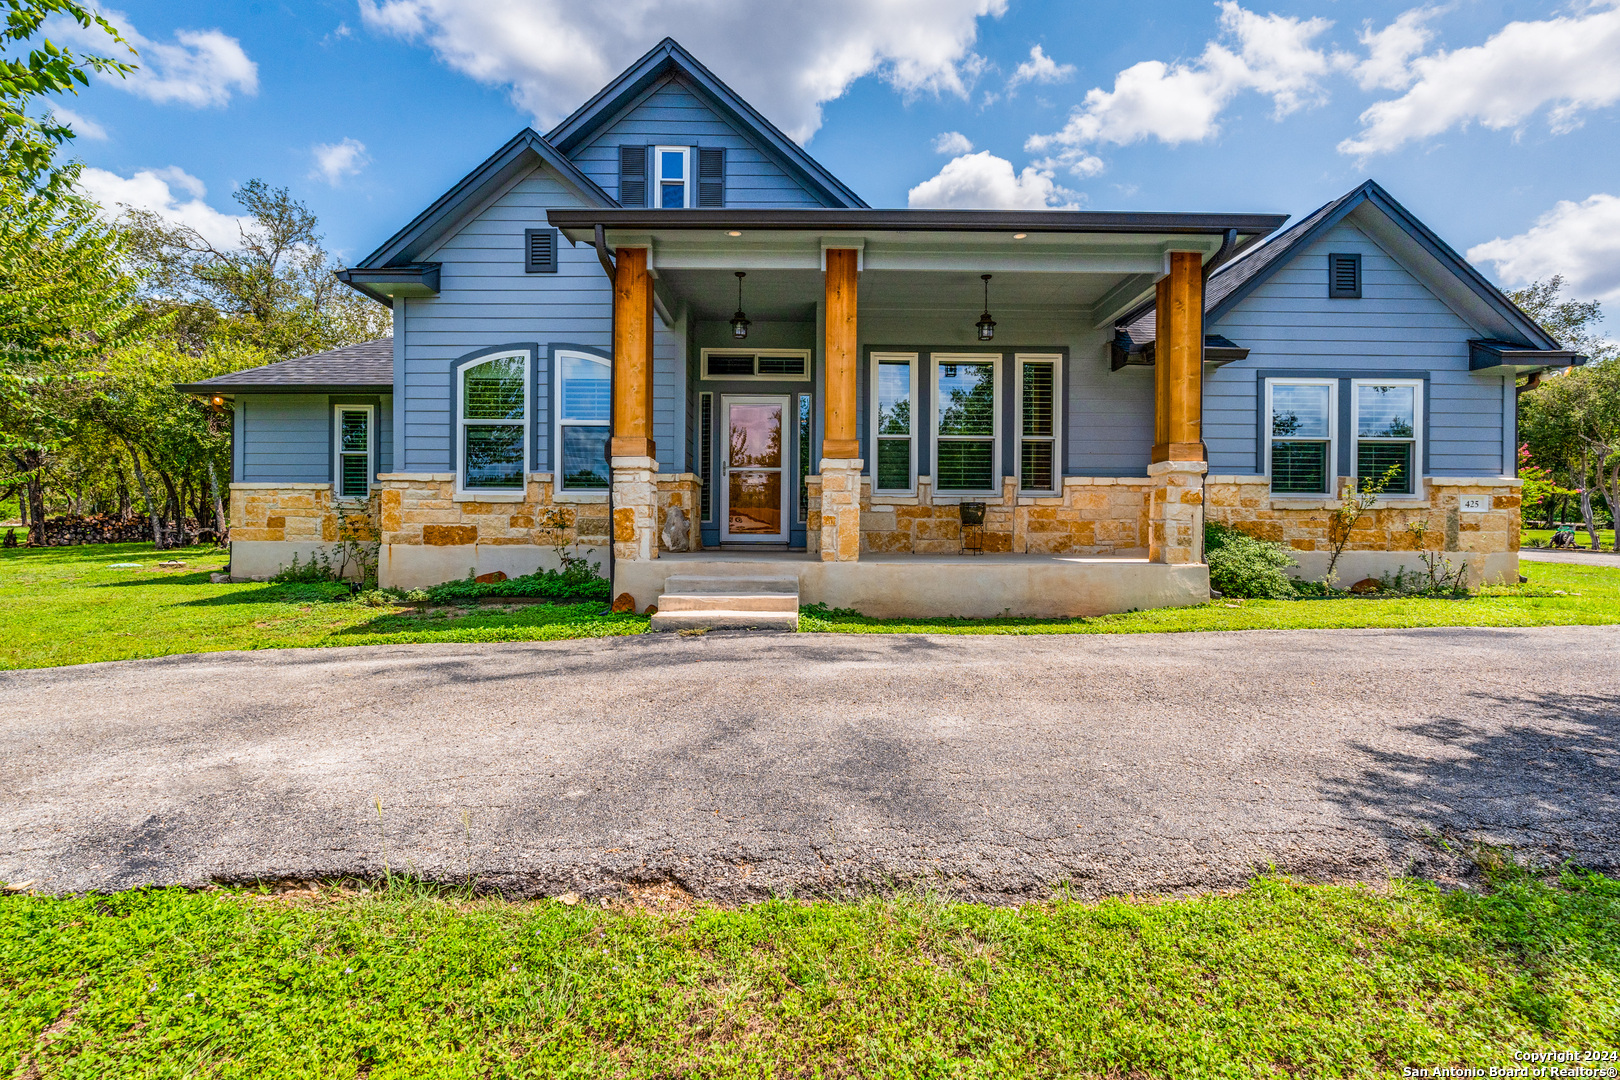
(972, 527)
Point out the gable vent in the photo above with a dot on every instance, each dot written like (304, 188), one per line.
(1344, 277)
(711, 176)
(540, 251)
(632, 176)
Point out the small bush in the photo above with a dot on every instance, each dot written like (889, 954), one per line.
(317, 571)
(1241, 565)
(577, 580)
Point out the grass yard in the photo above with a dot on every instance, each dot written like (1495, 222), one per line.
(79, 605)
(1280, 980)
(1543, 538)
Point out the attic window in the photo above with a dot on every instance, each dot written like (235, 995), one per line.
(1344, 277)
(540, 251)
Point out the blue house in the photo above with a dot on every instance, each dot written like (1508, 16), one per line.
(663, 336)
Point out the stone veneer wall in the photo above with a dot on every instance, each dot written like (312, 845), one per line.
(1095, 515)
(283, 512)
(1246, 504)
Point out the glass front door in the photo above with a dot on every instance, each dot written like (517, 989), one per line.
(752, 458)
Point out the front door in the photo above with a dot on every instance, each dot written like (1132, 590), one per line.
(752, 474)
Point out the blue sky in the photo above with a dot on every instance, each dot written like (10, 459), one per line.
(1495, 121)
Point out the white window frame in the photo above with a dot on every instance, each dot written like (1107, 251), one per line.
(338, 453)
(1416, 440)
(872, 420)
(561, 421)
(459, 457)
(759, 354)
(689, 187)
(998, 406)
(1331, 478)
(1056, 438)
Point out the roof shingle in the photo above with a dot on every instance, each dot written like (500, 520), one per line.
(368, 365)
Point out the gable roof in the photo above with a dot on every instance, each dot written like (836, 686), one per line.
(668, 57)
(1229, 284)
(366, 366)
(518, 156)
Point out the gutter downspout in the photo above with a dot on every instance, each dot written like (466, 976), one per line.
(612, 271)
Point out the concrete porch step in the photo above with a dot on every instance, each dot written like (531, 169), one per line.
(752, 602)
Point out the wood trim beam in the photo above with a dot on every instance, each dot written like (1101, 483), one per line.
(1178, 369)
(840, 437)
(632, 355)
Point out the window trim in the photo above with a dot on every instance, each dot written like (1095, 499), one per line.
(559, 421)
(874, 362)
(1416, 440)
(338, 453)
(1331, 478)
(459, 450)
(757, 354)
(997, 407)
(688, 184)
(1056, 438)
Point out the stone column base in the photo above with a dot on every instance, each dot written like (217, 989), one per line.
(1176, 512)
(635, 508)
(841, 509)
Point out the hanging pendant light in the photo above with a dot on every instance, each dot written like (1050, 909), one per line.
(739, 321)
(986, 325)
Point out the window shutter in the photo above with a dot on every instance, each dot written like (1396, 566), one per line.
(632, 176)
(540, 251)
(711, 176)
(1344, 277)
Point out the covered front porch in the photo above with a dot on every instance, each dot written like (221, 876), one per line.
(851, 378)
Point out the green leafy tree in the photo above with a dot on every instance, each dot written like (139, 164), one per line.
(1575, 418)
(1572, 322)
(32, 68)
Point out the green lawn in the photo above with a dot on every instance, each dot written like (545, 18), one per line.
(77, 605)
(1543, 538)
(1280, 980)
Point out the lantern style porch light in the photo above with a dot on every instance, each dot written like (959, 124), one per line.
(986, 325)
(739, 321)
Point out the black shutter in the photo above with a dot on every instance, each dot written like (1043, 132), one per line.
(632, 176)
(711, 176)
(1344, 277)
(540, 251)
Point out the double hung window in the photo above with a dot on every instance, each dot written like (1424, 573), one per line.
(584, 411)
(352, 454)
(492, 423)
(1038, 391)
(1301, 417)
(673, 167)
(894, 428)
(967, 424)
(1388, 416)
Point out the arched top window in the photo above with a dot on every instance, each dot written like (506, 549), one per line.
(584, 410)
(492, 422)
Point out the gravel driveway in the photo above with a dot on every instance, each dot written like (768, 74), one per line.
(736, 766)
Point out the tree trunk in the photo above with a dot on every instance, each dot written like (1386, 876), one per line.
(1586, 503)
(173, 509)
(219, 506)
(146, 493)
(123, 488)
(36, 511)
(1610, 483)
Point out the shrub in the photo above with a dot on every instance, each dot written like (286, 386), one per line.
(1241, 565)
(577, 580)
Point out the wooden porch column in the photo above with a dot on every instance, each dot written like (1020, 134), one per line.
(634, 458)
(840, 447)
(1178, 361)
(632, 354)
(1176, 506)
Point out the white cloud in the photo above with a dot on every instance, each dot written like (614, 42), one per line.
(334, 161)
(1568, 65)
(1040, 68)
(83, 126)
(952, 142)
(201, 67)
(1182, 101)
(1580, 240)
(171, 193)
(1390, 50)
(983, 181)
(554, 54)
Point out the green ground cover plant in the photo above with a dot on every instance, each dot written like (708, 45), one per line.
(1281, 979)
(78, 605)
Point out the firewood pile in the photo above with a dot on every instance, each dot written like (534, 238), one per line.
(96, 529)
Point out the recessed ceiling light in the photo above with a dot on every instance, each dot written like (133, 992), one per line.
(1020, 235)
(733, 232)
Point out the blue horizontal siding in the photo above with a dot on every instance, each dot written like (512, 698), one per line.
(1397, 325)
(284, 439)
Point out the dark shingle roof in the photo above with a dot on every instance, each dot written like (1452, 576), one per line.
(368, 365)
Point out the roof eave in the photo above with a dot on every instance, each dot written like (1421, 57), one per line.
(232, 390)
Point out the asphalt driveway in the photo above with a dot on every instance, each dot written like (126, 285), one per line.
(738, 766)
